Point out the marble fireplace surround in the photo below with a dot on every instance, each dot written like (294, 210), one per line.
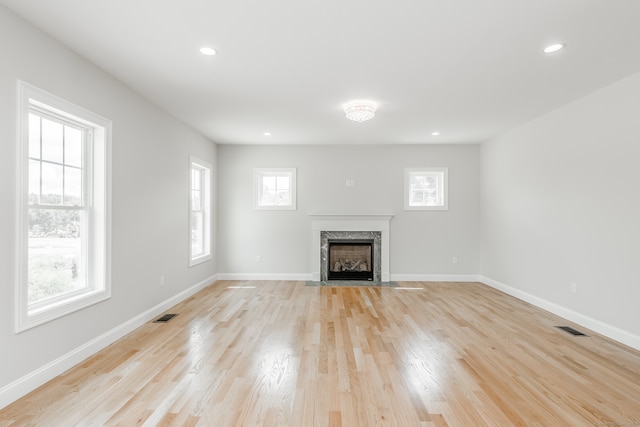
(349, 226)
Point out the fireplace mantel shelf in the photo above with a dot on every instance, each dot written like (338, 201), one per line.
(350, 215)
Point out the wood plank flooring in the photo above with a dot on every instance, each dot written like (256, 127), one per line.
(285, 354)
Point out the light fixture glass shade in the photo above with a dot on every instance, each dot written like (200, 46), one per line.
(208, 51)
(554, 48)
(360, 111)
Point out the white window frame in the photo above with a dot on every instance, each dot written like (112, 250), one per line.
(442, 173)
(204, 207)
(258, 176)
(97, 209)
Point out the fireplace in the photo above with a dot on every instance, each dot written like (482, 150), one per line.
(350, 259)
(358, 247)
(349, 227)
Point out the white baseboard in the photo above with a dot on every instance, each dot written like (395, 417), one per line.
(434, 278)
(602, 328)
(264, 276)
(392, 277)
(20, 387)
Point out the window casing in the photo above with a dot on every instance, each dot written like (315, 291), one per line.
(274, 188)
(426, 188)
(199, 212)
(63, 240)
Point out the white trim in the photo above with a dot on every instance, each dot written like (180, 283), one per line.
(445, 188)
(259, 173)
(350, 216)
(393, 277)
(98, 197)
(435, 278)
(617, 334)
(207, 217)
(265, 276)
(20, 387)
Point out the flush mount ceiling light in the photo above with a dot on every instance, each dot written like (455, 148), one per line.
(209, 51)
(554, 48)
(360, 111)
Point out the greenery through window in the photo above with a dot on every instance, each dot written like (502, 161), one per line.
(57, 214)
(63, 244)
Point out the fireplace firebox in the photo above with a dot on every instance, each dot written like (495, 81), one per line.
(350, 260)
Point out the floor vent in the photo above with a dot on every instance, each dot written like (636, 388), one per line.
(164, 318)
(572, 331)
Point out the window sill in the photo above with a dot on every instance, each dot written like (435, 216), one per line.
(46, 313)
(200, 260)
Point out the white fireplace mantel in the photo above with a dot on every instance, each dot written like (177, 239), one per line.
(350, 222)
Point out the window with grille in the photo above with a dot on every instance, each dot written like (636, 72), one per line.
(200, 212)
(426, 188)
(63, 175)
(275, 188)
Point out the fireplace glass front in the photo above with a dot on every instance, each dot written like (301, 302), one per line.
(350, 260)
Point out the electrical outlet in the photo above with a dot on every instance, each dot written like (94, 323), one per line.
(259, 258)
(573, 287)
(454, 260)
(161, 280)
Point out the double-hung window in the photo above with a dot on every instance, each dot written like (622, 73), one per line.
(200, 212)
(63, 222)
(426, 188)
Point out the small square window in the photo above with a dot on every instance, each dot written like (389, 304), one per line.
(274, 189)
(425, 189)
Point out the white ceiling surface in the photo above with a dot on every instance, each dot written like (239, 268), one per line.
(470, 69)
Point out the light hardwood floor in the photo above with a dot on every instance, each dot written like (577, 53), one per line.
(285, 354)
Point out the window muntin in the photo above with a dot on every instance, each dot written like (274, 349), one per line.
(275, 188)
(426, 188)
(57, 218)
(200, 212)
(63, 223)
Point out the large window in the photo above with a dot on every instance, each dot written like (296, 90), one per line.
(426, 189)
(200, 212)
(274, 188)
(63, 223)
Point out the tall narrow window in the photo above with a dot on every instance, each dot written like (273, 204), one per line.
(200, 212)
(426, 189)
(64, 208)
(274, 188)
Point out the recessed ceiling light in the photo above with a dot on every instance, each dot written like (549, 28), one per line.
(267, 134)
(209, 51)
(436, 133)
(554, 48)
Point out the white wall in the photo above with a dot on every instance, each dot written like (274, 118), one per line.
(422, 242)
(150, 198)
(561, 204)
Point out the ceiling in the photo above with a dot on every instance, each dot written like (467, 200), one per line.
(469, 69)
